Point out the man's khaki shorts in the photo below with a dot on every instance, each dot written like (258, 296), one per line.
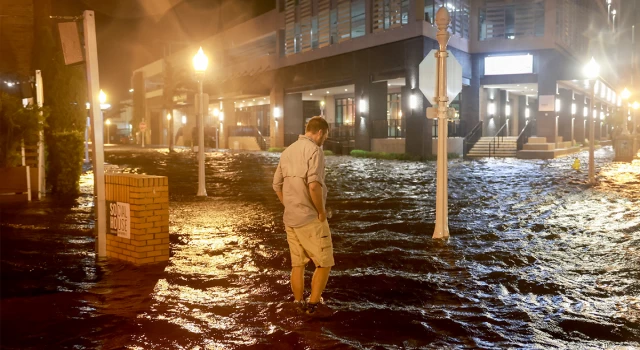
(311, 241)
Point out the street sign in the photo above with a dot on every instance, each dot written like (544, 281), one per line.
(547, 103)
(119, 214)
(429, 76)
(142, 126)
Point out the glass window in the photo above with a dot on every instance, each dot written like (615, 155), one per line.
(357, 18)
(334, 26)
(314, 32)
(394, 106)
(344, 111)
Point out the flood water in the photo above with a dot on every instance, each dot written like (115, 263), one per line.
(536, 259)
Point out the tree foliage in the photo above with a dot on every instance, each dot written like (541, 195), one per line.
(65, 94)
(17, 124)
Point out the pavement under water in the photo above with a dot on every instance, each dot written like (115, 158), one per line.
(536, 259)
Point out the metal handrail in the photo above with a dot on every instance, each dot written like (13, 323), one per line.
(523, 137)
(250, 131)
(472, 138)
(493, 140)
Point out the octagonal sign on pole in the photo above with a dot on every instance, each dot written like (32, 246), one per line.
(428, 79)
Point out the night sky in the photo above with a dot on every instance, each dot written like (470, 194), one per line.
(132, 33)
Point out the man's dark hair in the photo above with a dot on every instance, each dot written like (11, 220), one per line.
(317, 123)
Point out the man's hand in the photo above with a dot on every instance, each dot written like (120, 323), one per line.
(279, 193)
(315, 190)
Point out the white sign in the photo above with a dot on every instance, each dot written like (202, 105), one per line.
(119, 219)
(429, 76)
(501, 65)
(546, 103)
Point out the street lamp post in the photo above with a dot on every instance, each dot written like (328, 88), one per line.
(635, 106)
(634, 132)
(170, 121)
(108, 122)
(200, 62)
(592, 71)
(625, 96)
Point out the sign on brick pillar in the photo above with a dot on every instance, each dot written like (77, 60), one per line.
(138, 218)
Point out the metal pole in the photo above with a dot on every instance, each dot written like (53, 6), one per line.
(171, 132)
(93, 83)
(86, 140)
(442, 215)
(592, 172)
(41, 169)
(202, 191)
(108, 136)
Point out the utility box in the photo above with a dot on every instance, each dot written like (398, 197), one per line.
(624, 149)
(137, 217)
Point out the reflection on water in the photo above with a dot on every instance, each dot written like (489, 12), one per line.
(535, 259)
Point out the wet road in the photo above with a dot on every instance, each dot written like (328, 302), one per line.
(536, 259)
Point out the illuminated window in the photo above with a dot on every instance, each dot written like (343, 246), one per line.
(344, 111)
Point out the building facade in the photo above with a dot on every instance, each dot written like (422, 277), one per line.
(355, 62)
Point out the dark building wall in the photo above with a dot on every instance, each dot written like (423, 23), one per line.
(294, 121)
(564, 115)
(418, 133)
(579, 126)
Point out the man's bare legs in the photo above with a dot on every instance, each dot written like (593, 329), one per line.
(318, 283)
(297, 282)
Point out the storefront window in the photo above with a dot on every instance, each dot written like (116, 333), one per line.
(344, 111)
(393, 106)
(395, 125)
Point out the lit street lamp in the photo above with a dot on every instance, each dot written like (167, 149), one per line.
(592, 71)
(200, 62)
(108, 122)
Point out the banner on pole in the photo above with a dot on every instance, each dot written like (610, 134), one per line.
(70, 40)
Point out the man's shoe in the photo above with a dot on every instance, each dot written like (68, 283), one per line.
(319, 310)
(300, 306)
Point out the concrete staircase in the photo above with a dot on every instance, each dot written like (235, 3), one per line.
(507, 147)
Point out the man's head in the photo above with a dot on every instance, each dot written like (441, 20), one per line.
(317, 130)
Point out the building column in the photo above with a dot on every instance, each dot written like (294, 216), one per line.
(187, 129)
(598, 123)
(330, 109)
(293, 120)
(516, 126)
(483, 100)
(564, 114)
(229, 110)
(276, 122)
(501, 115)
(493, 121)
(418, 128)
(578, 118)
(378, 109)
(362, 123)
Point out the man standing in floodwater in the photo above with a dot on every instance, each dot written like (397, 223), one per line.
(299, 184)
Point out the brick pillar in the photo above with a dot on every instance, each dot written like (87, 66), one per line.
(138, 218)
